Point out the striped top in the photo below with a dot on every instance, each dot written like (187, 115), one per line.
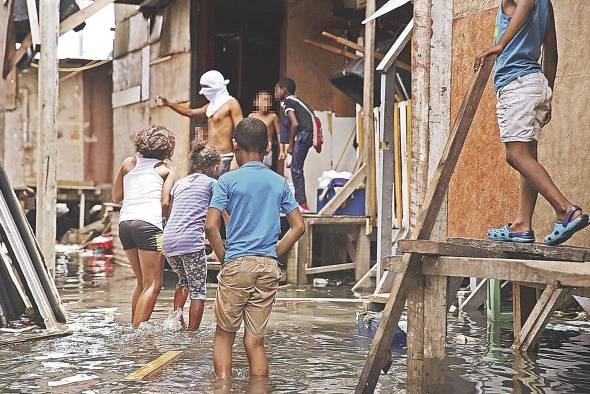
(184, 232)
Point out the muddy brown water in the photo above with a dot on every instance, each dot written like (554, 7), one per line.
(313, 346)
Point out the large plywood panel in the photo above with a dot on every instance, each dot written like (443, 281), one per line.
(464, 8)
(563, 146)
(70, 121)
(127, 121)
(175, 36)
(171, 78)
(138, 32)
(127, 71)
(179, 125)
(484, 189)
(311, 71)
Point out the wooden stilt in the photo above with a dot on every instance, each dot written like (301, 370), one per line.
(435, 332)
(523, 302)
(46, 143)
(410, 264)
(539, 316)
(362, 259)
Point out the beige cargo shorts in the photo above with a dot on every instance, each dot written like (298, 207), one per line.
(247, 289)
(522, 106)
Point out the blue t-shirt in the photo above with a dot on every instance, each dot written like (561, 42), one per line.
(254, 197)
(184, 232)
(521, 55)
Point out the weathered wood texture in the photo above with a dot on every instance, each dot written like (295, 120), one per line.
(368, 154)
(48, 133)
(523, 302)
(411, 263)
(568, 273)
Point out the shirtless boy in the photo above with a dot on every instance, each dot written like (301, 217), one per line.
(223, 113)
(263, 111)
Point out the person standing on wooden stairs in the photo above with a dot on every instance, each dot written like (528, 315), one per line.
(223, 113)
(524, 90)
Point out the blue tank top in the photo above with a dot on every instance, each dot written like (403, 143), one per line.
(521, 55)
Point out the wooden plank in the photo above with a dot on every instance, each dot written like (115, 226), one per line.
(435, 248)
(145, 73)
(335, 220)
(33, 22)
(539, 316)
(155, 366)
(343, 194)
(528, 251)
(126, 97)
(46, 196)
(368, 152)
(329, 268)
(415, 338)
(477, 297)
(568, 273)
(76, 19)
(397, 161)
(435, 332)
(397, 47)
(6, 29)
(412, 263)
(331, 49)
(523, 302)
(362, 256)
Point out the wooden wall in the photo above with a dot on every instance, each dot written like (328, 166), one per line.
(309, 66)
(150, 61)
(484, 189)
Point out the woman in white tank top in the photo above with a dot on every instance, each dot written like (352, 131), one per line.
(143, 186)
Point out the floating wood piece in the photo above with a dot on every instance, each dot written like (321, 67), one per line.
(568, 273)
(334, 50)
(379, 351)
(343, 194)
(154, 367)
(540, 315)
(527, 251)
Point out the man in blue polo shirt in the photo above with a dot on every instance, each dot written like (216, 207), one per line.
(254, 196)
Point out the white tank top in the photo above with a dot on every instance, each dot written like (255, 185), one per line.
(142, 193)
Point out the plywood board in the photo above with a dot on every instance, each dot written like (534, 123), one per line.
(175, 35)
(126, 97)
(171, 78)
(464, 8)
(127, 121)
(127, 71)
(121, 43)
(139, 32)
(70, 140)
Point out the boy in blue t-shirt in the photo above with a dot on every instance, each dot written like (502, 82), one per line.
(524, 90)
(254, 197)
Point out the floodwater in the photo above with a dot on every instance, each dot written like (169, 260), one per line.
(313, 347)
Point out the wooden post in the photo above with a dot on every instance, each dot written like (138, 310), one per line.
(5, 41)
(362, 262)
(523, 302)
(386, 163)
(46, 143)
(368, 123)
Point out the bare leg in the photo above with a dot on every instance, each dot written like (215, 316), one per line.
(180, 296)
(222, 352)
(519, 156)
(528, 199)
(195, 314)
(152, 270)
(256, 353)
(133, 258)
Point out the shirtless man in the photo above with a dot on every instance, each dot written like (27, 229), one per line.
(223, 113)
(263, 111)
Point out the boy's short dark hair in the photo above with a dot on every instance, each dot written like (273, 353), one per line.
(288, 84)
(251, 135)
(157, 142)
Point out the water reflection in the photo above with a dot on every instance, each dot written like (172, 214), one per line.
(313, 347)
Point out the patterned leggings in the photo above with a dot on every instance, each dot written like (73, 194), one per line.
(192, 273)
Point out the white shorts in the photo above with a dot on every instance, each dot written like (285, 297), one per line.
(522, 106)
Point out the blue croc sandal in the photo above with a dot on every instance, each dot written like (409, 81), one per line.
(505, 234)
(563, 230)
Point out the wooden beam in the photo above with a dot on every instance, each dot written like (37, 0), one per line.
(368, 152)
(434, 248)
(48, 76)
(330, 268)
(154, 367)
(523, 302)
(362, 255)
(331, 49)
(34, 22)
(568, 273)
(411, 264)
(351, 44)
(526, 251)
(68, 24)
(398, 46)
(540, 315)
(79, 17)
(343, 194)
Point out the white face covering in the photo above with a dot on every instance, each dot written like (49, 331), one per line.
(215, 92)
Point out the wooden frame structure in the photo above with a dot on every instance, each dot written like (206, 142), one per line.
(422, 274)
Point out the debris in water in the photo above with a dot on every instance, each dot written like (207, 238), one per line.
(174, 321)
(81, 377)
(465, 340)
(320, 282)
